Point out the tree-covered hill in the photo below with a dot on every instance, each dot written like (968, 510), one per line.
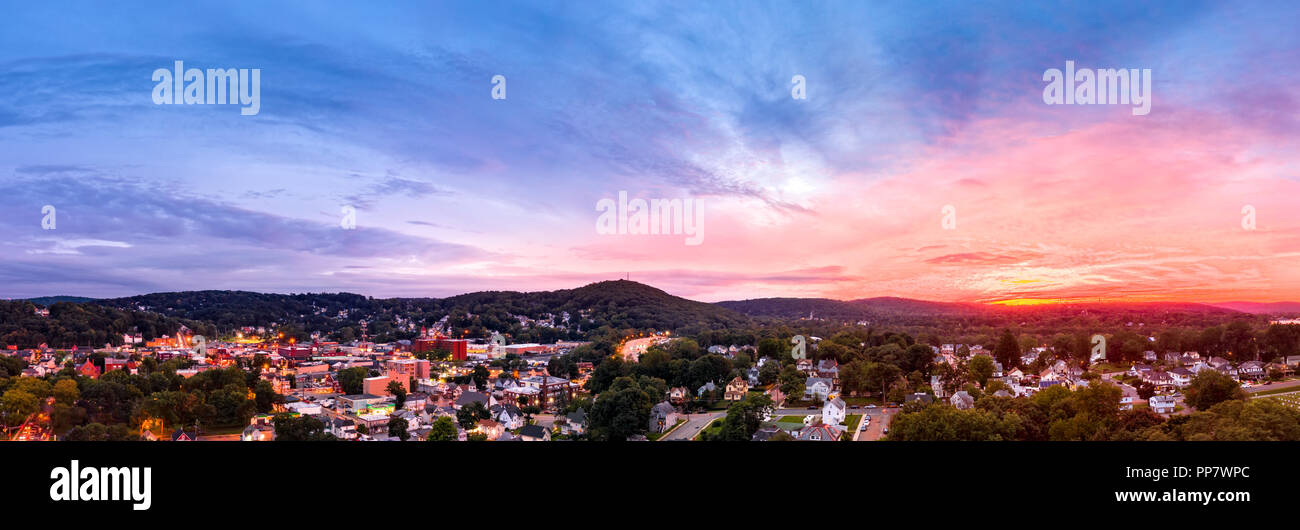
(86, 325)
(526, 316)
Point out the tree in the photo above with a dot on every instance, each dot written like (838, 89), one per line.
(769, 372)
(745, 416)
(1007, 351)
(16, 405)
(397, 427)
(266, 396)
(480, 377)
(469, 415)
(443, 430)
(1211, 387)
(621, 411)
(398, 391)
(352, 380)
(981, 369)
(792, 382)
(290, 428)
(66, 392)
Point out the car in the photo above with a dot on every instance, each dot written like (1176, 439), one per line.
(812, 407)
(871, 406)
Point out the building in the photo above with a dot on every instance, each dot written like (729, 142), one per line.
(662, 416)
(459, 348)
(534, 433)
(358, 403)
(819, 433)
(547, 393)
(818, 388)
(833, 411)
(962, 400)
(736, 389)
(1162, 404)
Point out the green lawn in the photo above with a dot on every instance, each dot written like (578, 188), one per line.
(852, 422)
(714, 428)
(862, 401)
(790, 419)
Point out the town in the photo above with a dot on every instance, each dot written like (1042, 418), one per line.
(259, 383)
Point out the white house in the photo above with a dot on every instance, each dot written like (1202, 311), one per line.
(1162, 404)
(833, 411)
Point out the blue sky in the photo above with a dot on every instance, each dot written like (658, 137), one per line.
(387, 108)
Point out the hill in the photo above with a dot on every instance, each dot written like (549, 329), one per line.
(542, 316)
(51, 300)
(79, 324)
(911, 312)
(1263, 308)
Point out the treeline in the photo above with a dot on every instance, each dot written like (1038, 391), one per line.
(82, 324)
(613, 304)
(1093, 414)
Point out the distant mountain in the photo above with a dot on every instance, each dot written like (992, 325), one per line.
(1262, 308)
(906, 311)
(51, 300)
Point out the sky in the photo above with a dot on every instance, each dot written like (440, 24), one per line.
(923, 162)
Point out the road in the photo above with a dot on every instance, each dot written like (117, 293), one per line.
(694, 424)
(1275, 386)
(880, 419)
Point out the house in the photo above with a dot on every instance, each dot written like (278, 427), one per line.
(764, 434)
(962, 400)
(508, 415)
(679, 395)
(924, 398)
(1162, 404)
(1158, 378)
(708, 387)
(534, 433)
(1149, 355)
(1181, 377)
(936, 384)
(662, 416)
(775, 393)
(490, 428)
(736, 389)
(817, 387)
(751, 376)
(1127, 397)
(88, 369)
(1138, 370)
(1252, 370)
(833, 411)
(343, 429)
(820, 433)
(469, 397)
(576, 422)
(804, 365)
(258, 433)
(828, 368)
(181, 435)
